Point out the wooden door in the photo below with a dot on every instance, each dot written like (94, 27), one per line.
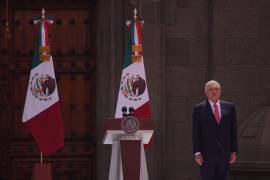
(72, 41)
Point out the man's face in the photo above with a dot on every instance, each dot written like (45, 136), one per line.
(213, 93)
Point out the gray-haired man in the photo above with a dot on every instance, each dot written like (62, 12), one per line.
(214, 134)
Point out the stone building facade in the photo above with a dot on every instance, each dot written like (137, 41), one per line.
(186, 43)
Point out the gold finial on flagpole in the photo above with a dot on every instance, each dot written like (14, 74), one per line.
(135, 14)
(43, 13)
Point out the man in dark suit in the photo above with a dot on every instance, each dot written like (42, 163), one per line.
(214, 127)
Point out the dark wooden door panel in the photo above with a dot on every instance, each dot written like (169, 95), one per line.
(72, 42)
(68, 169)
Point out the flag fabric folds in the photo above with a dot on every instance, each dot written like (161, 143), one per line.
(133, 90)
(41, 114)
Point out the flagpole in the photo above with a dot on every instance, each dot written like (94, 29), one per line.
(41, 158)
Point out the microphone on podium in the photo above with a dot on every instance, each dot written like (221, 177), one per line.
(124, 111)
(131, 111)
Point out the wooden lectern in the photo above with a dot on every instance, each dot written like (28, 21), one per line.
(127, 136)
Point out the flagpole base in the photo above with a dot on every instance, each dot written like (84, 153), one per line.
(42, 171)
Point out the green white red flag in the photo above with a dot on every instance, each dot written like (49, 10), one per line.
(133, 90)
(41, 114)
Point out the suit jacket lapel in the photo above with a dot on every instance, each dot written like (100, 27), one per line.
(223, 112)
(222, 109)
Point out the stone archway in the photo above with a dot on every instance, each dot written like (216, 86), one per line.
(254, 142)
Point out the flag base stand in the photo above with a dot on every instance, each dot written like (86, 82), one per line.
(42, 171)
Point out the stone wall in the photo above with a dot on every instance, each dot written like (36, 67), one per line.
(186, 43)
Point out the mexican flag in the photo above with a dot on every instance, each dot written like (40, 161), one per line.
(41, 114)
(133, 90)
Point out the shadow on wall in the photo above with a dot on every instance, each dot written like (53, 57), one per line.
(254, 148)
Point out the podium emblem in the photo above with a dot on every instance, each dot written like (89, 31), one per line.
(130, 124)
